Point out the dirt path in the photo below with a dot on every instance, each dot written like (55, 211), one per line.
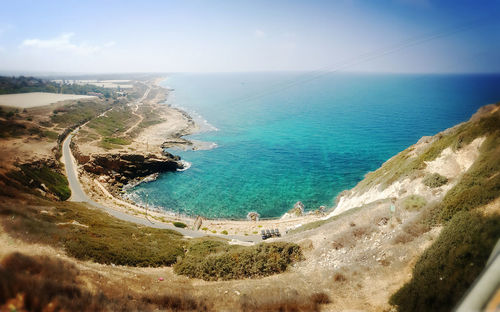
(134, 112)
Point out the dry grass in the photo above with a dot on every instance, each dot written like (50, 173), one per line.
(286, 301)
(45, 283)
(414, 227)
(450, 265)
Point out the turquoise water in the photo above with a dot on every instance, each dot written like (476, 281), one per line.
(282, 137)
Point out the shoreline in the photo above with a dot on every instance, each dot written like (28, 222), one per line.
(168, 134)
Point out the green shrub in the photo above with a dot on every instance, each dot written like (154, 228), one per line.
(224, 232)
(110, 142)
(413, 202)
(179, 224)
(51, 135)
(479, 185)
(450, 265)
(34, 175)
(434, 180)
(219, 260)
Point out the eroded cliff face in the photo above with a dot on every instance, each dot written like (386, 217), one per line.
(448, 155)
(125, 167)
(131, 166)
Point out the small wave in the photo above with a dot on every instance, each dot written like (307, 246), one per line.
(185, 165)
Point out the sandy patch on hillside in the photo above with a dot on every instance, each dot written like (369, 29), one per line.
(449, 163)
(34, 99)
(23, 150)
(452, 163)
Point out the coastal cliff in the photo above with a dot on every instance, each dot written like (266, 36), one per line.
(429, 169)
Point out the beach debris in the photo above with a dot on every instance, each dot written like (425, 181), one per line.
(253, 216)
(161, 279)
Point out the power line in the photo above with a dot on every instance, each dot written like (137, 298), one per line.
(365, 57)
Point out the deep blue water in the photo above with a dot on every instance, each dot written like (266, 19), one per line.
(282, 139)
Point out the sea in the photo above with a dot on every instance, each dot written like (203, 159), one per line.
(282, 137)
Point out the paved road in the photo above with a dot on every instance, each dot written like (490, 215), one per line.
(78, 195)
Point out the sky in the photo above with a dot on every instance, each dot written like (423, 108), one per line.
(409, 36)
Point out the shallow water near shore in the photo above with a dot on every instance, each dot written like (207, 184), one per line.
(285, 137)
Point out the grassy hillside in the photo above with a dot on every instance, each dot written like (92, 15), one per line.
(90, 234)
(405, 165)
(43, 177)
(213, 260)
(448, 268)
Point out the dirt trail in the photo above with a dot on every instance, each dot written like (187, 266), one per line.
(134, 112)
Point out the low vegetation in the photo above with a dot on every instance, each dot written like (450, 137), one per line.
(90, 234)
(282, 301)
(151, 117)
(413, 202)
(434, 180)
(78, 113)
(10, 128)
(51, 135)
(214, 260)
(450, 265)
(179, 224)
(45, 283)
(38, 175)
(480, 184)
(114, 122)
(110, 143)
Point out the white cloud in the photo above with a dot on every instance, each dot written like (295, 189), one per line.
(64, 43)
(258, 33)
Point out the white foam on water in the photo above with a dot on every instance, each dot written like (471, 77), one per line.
(185, 165)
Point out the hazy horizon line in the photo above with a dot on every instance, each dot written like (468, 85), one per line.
(323, 72)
